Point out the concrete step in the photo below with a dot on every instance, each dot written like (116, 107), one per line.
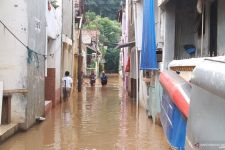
(7, 131)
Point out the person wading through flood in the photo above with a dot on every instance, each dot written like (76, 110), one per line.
(67, 85)
(92, 78)
(104, 78)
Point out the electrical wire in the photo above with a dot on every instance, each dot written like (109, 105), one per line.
(26, 46)
(31, 53)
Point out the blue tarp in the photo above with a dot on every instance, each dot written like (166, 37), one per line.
(148, 53)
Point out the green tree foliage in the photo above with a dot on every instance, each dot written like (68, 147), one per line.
(104, 8)
(110, 32)
(112, 60)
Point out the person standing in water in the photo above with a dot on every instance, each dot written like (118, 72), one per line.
(92, 78)
(104, 78)
(67, 85)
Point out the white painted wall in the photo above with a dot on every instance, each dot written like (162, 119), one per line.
(12, 67)
(67, 18)
(221, 28)
(124, 39)
(138, 24)
(54, 30)
(13, 58)
(59, 52)
(186, 29)
(169, 34)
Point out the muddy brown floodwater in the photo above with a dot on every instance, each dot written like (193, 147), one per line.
(96, 119)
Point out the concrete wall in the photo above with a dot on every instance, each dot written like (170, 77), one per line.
(185, 26)
(187, 23)
(124, 39)
(221, 28)
(67, 28)
(67, 57)
(138, 24)
(54, 62)
(54, 29)
(20, 68)
(169, 33)
(36, 64)
(67, 18)
(13, 57)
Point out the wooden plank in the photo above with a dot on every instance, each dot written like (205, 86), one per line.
(1, 99)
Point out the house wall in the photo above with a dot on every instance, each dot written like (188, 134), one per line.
(13, 57)
(57, 56)
(54, 30)
(169, 33)
(138, 24)
(54, 65)
(84, 66)
(124, 39)
(67, 18)
(67, 31)
(138, 28)
(221, 28)
(75, 70)
(185, 26)
(36, 65)
(67, 58)
(187, 23)
(131, 37)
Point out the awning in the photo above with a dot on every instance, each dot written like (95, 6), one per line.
(148, 52)
(129, 44)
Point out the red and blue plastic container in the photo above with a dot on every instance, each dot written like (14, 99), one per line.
(174, 108)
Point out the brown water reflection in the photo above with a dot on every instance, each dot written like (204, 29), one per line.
(96, 119)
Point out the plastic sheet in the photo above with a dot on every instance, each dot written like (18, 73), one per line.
(154, 99)
(148, 52)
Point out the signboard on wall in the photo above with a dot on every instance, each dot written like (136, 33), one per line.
(162, 2)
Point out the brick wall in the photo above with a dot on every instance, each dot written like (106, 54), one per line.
(50, 88)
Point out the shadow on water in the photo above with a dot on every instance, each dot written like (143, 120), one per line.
(99, 118)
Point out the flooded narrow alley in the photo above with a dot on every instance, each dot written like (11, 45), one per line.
(99, 118)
